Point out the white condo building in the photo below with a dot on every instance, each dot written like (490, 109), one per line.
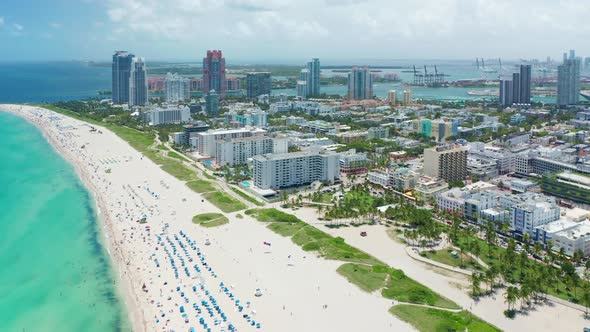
(205, 142)
(275, 171)
(177, 88)
(237, 151)
(574, 238)
(168, 114)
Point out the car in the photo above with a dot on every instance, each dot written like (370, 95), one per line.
(363, 234)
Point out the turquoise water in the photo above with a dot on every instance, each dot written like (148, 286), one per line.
(54, 272)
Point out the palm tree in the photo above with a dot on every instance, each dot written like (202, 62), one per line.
(475, 284)
(511, 296)
(586, 297)
(537, 249)
(491, 276)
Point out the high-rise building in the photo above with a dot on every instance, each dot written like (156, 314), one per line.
(177, 88)
(448, 162)
(197, 84)
(525, 84)
(233, 83)
(568, 80)
(238, 150)
(313, 78)
(517, 91)
(205, 142)
(138, 83)
(121, 70)
(360, 83)
(278, 171)
(392, 97)
(302, 89)
(505, 93)
(214, 72)
(212, 103)
(515, 87)
(407, 97)
(258, 84)
(303, 84)
(168, 114)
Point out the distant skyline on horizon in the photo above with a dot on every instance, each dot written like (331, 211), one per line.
(275, 31)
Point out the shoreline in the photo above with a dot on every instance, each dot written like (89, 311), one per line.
(123, 286)
(118, 175)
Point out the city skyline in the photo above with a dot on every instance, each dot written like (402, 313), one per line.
(278, 29)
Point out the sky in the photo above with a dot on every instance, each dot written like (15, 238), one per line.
(292, 30)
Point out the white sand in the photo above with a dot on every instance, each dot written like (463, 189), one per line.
(295, 290)
(454, 286)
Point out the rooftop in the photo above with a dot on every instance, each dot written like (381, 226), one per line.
(557, 225)
(233, 131)
(580, 230)
(292, 155)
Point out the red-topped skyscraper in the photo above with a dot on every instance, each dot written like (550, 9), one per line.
(214, 72)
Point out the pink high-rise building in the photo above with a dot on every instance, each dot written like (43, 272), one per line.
(214, 72)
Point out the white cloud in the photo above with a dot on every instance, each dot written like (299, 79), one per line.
(55, 25)
(18, 27)
(1, 21)
(368, 28)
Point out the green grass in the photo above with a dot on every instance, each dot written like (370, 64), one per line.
(402, 288)
(310, 238)
(444, 256)
(324, 198)
(209, 176)
(201, 186)
(210, 219)
(367, 278)
(175, 155)
(162, 147)
(224, 202)
(272, 215)
(433, 320)
(177, 169)
(285, 229)
(246, 196)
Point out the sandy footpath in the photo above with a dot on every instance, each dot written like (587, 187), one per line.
(552, 317)
(171, 280)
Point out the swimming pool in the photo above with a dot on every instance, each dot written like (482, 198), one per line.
(246, 183)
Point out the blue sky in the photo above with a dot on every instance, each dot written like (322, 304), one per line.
(251, 30)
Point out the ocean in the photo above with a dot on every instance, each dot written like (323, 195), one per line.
(60, 81)
(55, 273)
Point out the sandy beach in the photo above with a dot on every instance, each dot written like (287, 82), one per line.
(171, 280)
(454, 286)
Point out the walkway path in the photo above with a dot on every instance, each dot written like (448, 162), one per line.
(191, 164)
(453, 286)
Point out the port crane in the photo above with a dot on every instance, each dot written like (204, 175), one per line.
(428, 79)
